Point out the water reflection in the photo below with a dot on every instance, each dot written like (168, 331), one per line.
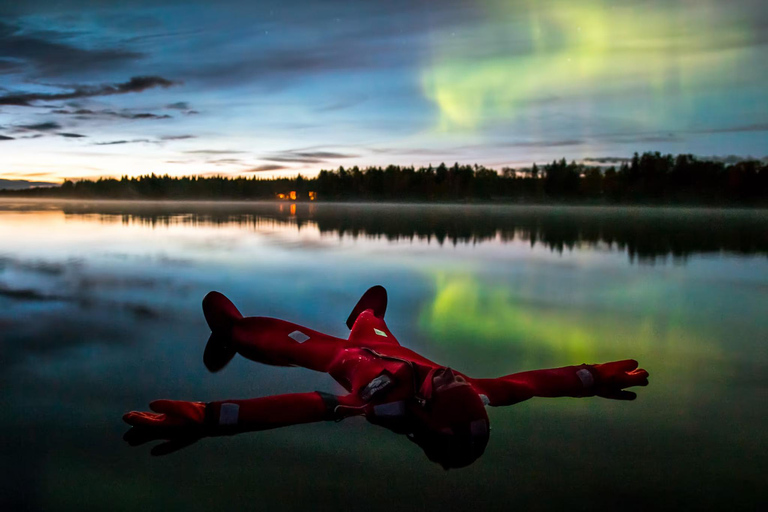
(100, 313)
(645, 234)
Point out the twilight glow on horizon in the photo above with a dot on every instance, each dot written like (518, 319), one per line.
(239, 88)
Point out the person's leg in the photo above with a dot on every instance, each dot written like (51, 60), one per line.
(281, 343)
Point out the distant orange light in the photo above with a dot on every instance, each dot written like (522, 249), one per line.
(281, 196)
(312, 196)
(293, 195)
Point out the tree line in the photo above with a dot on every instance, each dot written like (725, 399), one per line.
(647, 178)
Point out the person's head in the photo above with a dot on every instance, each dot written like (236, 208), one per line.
(452, 426)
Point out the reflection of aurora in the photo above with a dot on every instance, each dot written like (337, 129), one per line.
(468, 313)
(670, 56)
(643, 233)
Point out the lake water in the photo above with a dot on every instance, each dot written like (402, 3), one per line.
(100, 313)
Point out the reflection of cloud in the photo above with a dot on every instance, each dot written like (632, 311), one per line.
(71, 135)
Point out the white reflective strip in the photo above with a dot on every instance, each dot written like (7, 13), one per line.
(485, 399)
(586, 377)
(392, 409)
(380, 333)
(299, 336)
(228, 414)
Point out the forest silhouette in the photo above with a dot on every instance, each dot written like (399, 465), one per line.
(650, 178)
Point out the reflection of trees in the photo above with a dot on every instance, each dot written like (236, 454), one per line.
(643, 233)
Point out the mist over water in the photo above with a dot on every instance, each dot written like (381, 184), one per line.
(100, 313)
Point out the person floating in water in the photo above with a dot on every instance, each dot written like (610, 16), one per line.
(440, 409)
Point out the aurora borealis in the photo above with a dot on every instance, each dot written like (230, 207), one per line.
(236, 88)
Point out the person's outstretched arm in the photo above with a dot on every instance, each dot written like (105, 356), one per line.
(607, 380)
(182, 423)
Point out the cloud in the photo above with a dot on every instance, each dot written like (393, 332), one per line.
(179, 105)
(135, 84)
(214, 152)
(41, 127)
(84, 113)
(606, 159)
(4, 137)
(306, 157)
(51, 53)
(149, 116)
(116, 142)
(543, 143)
(221, 161)
(266, 167)
(756, 127)
(178, 137)
(71, 135)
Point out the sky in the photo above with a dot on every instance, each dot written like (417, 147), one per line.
(94, 89)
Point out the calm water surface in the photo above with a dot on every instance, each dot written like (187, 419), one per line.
(100, 313)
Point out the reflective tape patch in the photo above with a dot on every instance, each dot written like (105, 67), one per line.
(380, 333)
(485, 399)
(299, 336)
(390, 410)
(586, 377)
(228, 414)
(379, 383)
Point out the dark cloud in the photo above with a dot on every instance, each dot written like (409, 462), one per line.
(149, 116)
(4, 137)
(220, 161)
(294, 159)
(116, 142)
(84, 113)
(606, 159)
(179, 105)
(214, 152)
(756, 127)
(27, 294)
(178, 137)
(41, 127)
(10, 66)
(266, 167)
(543, 143)
(135, 84)
(306, 157)
(341, 105)
(71, 135)
(51, 53)
(324, 154)
(732, 159)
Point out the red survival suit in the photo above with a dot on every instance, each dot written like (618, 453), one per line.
(438, 408)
